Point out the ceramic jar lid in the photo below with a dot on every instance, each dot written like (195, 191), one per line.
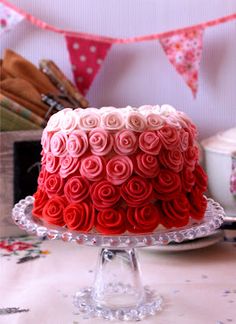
(223, 142)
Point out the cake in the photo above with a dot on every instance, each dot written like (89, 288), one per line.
(120, 170)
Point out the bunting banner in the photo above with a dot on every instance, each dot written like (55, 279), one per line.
(184, 51)
(183, 47)
(9, 18)
(86, 57)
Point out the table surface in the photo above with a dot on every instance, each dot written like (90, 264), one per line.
(40, 277)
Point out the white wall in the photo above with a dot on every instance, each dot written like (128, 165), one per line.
(139, 73)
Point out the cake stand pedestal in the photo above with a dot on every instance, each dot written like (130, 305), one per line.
(117, 291)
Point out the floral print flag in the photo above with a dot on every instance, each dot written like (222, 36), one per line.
(86, 57)
(184, 51)
(9, 18)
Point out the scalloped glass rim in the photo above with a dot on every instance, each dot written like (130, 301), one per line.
(213, 218)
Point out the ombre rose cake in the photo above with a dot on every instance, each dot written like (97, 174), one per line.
(120, 170)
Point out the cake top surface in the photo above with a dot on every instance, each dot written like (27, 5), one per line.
(139, 119)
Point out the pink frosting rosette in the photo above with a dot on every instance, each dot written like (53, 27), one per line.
(169, 137)
(126, 142)
(77, 143)
(154, 121)
(149, 142)
(45, 140)
(69, 121)
(52, 163)
(93, 168)
(172, 160)
(183, 140)
(112, 120)
(135, 122)
(58, 144)
(100, 141)
(146, 165)
(119, 169)
(89, 120)
(69, 165)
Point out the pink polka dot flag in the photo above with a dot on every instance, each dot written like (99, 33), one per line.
(184, 51)
(86, 57)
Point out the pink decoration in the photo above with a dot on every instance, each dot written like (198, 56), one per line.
(86, 57)
(9, 18)
(100, 141)
(184, 51)
(92, 168)
(119, 169)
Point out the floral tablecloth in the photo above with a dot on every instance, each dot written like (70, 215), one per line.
(38, 279)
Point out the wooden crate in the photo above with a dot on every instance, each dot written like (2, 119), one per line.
(13, 152)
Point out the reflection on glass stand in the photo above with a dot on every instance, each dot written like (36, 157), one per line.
(117, 292)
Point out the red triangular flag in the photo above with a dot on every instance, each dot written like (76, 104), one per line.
(184, 51)
(86, 57)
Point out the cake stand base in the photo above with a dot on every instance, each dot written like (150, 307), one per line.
(117, 292)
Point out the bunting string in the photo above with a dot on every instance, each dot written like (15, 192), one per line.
(182, 46)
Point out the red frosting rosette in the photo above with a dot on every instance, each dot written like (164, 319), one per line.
(198, 203)
(191, 156)
(119, 169)
(69, 165)
(53, 210)
(111, 221)
(104, 194)
(126, 142)
(175, 213)
(52, 163)
(40, 199)
(136, 191)
(79, 217)
(169, 137)
(54, 185)
(100, 141)
(93, 168)
(167, 185)
(149, 142)
(76, 189)
(146, 165)
(43, 174)
(143, 219)
(172, 160)
(201, 178)
(188, 179)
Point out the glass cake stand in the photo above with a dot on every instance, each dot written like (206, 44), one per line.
(117, 291)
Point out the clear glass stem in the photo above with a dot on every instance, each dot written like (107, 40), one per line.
(118, 279)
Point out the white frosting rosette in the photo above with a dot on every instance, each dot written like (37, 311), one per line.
(89, 119)
(69, 121)
(135, 121)
(113, 120)
(53, 124)
(167, 109)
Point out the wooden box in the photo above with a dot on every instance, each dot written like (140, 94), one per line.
(19, 169)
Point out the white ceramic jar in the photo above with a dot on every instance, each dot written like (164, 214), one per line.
(220, 165)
